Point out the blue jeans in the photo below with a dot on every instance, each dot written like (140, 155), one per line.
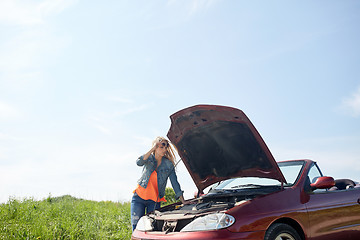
(138, 208)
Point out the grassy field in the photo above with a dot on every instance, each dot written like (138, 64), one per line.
(67, 217)
(64, 217)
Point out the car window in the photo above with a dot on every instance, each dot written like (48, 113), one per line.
(314, 174)
(291, 171)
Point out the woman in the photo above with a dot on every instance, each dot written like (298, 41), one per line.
(159, 165)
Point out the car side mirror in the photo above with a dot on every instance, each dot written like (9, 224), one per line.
(323, 183)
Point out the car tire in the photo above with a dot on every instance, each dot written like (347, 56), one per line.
(281, 231)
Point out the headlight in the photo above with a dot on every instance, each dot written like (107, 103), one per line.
(210, 222)
(145, 224)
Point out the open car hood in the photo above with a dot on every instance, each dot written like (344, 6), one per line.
(218, 143)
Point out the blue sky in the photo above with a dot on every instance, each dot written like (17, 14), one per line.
(86, 85)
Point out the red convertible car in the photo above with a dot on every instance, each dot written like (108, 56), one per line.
(248, 194)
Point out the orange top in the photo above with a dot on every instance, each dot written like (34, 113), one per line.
(151, 192)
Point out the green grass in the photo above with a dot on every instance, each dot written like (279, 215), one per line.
(64, 217)
(67, 217)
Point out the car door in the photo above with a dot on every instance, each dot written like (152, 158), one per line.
(333, 214)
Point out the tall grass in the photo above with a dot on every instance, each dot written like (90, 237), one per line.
(64, 217)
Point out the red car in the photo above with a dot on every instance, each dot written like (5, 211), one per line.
(249, 195)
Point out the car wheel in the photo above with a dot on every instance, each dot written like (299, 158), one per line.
(281, 231)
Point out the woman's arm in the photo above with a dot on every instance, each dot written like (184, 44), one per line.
(176, 186)
(141, 160)
(147, 155)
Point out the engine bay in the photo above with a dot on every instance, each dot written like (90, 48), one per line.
(174, 217)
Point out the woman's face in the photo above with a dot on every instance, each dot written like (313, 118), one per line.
(162, 148)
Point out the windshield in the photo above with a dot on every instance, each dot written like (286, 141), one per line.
(290, 170)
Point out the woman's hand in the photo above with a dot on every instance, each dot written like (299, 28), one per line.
(183, 200)
(152, 150)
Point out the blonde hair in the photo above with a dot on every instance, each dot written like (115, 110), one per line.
(170, 152)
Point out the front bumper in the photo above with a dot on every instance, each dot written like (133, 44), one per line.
(216, 234)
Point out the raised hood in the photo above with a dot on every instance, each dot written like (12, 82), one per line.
(218, 143)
